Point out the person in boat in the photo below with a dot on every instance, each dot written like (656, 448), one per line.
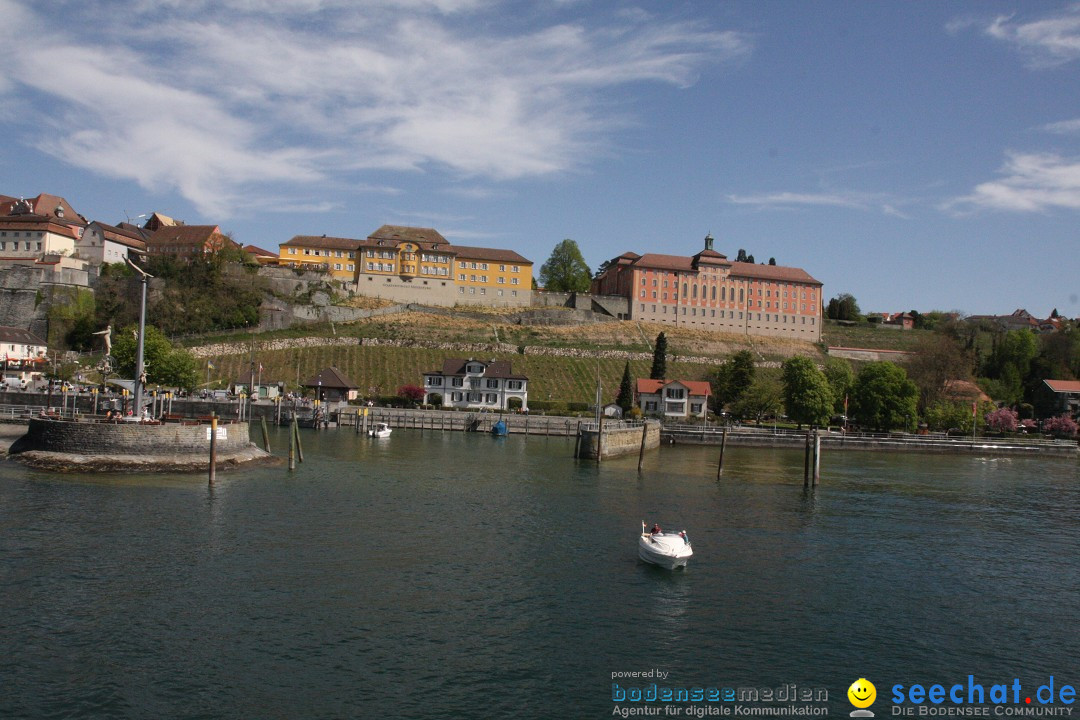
(655, 529)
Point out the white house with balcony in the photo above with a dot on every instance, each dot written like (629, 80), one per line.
(25, 355)
(476, 385)
(674, 399)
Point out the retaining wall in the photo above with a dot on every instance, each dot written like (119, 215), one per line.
(617, 441)
(103, 438)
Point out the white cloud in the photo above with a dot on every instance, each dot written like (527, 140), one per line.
(1065, 127)
(854, 200)
(1034, 182)
(1046, 42)
(220, 104)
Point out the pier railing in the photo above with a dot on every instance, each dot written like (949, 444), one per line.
(710, 434)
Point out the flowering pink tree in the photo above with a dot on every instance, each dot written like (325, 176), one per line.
(411, 393)
(1062, 426)
(1003, 419)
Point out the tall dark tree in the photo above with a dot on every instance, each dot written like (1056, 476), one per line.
(732, 379)
(884, 398)
(565, 270)
(772, 261)
(843, 307)
(625, 399)
(659, 359)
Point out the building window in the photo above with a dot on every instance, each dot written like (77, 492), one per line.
(492, 383)
(514, 384)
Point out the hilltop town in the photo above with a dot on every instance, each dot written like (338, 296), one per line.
(65, 282)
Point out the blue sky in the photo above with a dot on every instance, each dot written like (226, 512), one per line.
(917, 155)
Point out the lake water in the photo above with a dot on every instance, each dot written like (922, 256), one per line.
(432, 575)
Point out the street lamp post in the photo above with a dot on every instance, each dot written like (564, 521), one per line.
(140, 370)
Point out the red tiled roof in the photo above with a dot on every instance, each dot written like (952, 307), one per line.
(772, 273)
(477, 253)
(323, 242)
(1064, 386)
(19, 335)
(405, 233)
(255, 250)
(198, 235)
(649, 386)
(124, 236)
(45, 204)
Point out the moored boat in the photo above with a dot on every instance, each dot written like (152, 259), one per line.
(668, 550)
(379, 429)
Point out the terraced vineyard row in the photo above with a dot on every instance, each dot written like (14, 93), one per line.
(382, 370)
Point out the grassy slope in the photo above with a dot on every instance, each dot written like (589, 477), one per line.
(565, 379)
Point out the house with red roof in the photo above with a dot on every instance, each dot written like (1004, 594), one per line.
(102, 243)
(707, 291)
(672, 398)
(1064, 396)
(39, 231)
(187, 241)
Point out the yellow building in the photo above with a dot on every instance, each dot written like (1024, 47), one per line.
(414, 264)
(337, 256)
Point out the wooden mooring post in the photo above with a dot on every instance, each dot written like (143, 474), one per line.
(641, 451)
(817, 458)
(723, 446)
(292, 450)
(296, 436)
(806, 462)
(266, 434)
(213, 446)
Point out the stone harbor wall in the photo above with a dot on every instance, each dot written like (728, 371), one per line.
(68, 445)
(617, 439)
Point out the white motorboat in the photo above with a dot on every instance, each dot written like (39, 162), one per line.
(668, 550)
(379, 429)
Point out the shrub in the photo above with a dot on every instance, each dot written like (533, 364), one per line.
(1060, 426)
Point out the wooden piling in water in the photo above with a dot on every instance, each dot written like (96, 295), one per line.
(266, 435)
(806, 461)
(292, 450)
(213, 446)
(723, 446)
(817, 458)
(641, 451)
(299, 445)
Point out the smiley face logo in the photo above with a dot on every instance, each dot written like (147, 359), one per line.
(862, 693)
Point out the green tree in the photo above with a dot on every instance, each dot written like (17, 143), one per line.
(164, 364)
(764, 397)
(625, 399)
(841, 378)
(807, 397)
(659, 359)
(945, 415)
(843, 307)
(565, 270)
(884, 398)
(938, 359)
(731, 379)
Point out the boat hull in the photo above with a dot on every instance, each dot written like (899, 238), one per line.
(666, 550)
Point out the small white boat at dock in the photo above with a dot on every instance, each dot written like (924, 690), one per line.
(379, 429)
(668, 550)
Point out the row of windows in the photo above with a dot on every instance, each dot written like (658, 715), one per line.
(484, 266)
(775, 318)
(483, 291)
(324, 253)
(15, 245)
(491, 383)
(16, 234)
(489, 398)
(484, 278)
(692, 290)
